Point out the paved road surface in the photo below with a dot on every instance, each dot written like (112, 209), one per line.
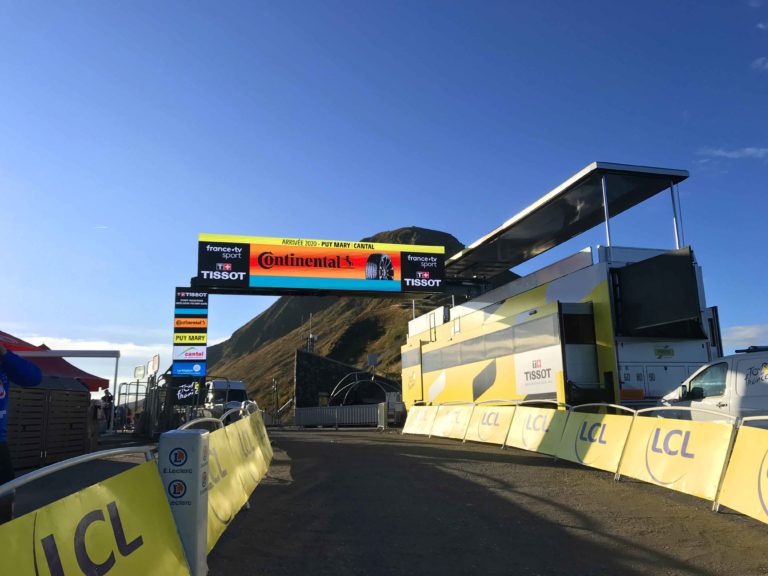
(372, 503)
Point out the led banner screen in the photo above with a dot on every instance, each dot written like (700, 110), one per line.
(262, 264)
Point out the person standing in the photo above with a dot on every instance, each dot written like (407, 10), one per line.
(24, 373)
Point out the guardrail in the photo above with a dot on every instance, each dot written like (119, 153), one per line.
(720, 458)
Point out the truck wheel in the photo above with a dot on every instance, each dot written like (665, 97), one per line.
(379, 267)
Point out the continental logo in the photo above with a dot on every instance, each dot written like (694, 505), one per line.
(199, 338)
(190, 323)
(588, 436)
(268, 260)
(663, 448)
(89, 561)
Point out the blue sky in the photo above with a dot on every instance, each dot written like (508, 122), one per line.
(127, 128)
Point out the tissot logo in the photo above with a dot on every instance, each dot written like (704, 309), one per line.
(217, 275)
(224, 267)
(422, 282)
(538, 373)
(536, 364)
(423, 274)
(87, 560)
(192, 294)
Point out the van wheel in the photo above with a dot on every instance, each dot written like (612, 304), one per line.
(379, 267)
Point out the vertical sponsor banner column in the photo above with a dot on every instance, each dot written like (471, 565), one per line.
(190, 332)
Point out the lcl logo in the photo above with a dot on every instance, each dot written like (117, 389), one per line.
(489, 420)
(590, 434)
(85, 561)
(761, 478)
(538, 424)
(672, 444)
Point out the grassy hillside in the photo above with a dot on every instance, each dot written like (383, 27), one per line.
(347, 330)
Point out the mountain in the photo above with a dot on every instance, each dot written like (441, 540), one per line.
(347, 329)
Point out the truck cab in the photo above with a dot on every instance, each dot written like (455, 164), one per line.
(735, 385)
(223, 395)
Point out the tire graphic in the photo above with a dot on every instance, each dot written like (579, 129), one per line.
(379, 267)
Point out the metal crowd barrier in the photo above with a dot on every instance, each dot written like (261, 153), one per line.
(182, 463)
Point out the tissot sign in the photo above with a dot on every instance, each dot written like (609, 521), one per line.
(261, 264)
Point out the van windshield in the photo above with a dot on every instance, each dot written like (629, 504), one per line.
(222, 396)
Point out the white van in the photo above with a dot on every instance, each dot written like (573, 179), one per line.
(223, 395)
(735, 385)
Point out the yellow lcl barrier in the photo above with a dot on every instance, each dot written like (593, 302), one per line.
(239, 458)
(122, 526)
(420, 419)
(451, 421)
(537, 429)
(745, 488)
(681, 455)
(490, 424)
(594, 440)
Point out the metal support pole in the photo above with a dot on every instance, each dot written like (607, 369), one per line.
(413, 305)
(605, 212)
(114, 400)
(680, 215)
(674, 215)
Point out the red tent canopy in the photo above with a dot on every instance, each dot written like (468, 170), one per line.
(53, 366)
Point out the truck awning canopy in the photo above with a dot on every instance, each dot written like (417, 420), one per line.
(572, 208)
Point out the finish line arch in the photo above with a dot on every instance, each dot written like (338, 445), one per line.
(268, 266)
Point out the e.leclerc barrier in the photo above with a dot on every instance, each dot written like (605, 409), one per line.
(126, 525)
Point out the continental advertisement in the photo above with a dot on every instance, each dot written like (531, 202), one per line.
(263, 264)
(120, 526)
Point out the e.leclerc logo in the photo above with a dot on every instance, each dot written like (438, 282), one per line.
(178, 457)
(177, 489)
(661, 446)
(589, 436)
